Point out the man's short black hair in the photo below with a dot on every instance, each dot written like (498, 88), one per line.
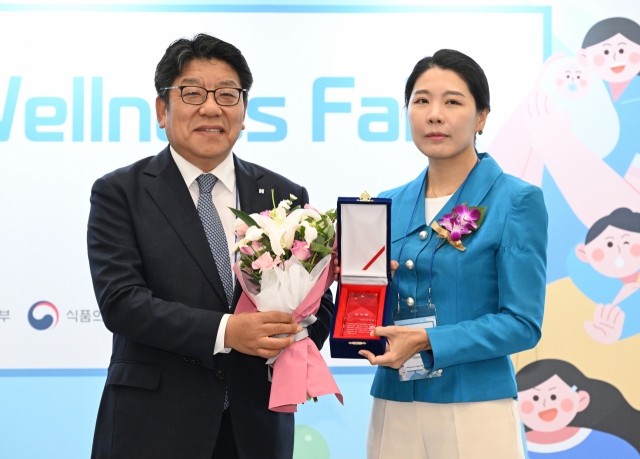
(202, 46)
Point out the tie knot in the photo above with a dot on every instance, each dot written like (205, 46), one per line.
(206, 183)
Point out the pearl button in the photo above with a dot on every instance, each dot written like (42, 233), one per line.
(423, 235)
(409, 264)
(410, 302)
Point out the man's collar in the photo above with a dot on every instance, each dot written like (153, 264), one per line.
(225, 171)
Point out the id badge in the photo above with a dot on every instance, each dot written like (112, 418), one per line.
(416, 317)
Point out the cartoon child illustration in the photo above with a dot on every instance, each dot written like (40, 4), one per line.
(569, 416)
(580, 176)
(574, 88)
(612, 247)
(612, 49)
(612, 252)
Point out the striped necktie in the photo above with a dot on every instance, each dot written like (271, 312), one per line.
(215, 232)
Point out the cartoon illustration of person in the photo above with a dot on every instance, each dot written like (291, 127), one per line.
(611, 249)
(570, 416)
(589, 125)
(612, 49)
(574, 88)
(562, 146)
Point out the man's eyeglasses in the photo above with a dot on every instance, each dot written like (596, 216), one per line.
(195, 95)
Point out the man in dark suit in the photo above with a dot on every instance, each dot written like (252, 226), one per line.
(187, 378)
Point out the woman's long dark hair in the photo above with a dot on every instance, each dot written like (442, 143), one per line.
(608, 410)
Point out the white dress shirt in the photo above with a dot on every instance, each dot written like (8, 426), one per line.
(224, 195)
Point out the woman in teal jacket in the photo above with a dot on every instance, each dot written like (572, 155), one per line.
(489, 297)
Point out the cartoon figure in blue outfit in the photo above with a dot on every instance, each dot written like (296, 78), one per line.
(570, 416)
(612, 49)
(606, 269)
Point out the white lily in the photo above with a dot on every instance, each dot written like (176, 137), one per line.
(274, 231)
(301, 214)
(284, 204)
(289, 235)
(281, 228)
(310, 233)
(253, 233)
(280, 214)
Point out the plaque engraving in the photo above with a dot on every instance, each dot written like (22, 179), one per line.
(361, 314)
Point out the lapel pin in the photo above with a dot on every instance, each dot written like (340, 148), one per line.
(261, 190)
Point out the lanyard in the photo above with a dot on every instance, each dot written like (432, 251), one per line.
(413, 213)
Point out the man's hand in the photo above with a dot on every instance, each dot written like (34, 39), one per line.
(607, 324)
(402, 343)
(250, 332)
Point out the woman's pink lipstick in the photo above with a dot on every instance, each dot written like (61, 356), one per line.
(436, 136)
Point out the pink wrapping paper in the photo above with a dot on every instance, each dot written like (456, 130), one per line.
(300, 370)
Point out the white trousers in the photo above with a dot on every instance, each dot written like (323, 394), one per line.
(418, 430)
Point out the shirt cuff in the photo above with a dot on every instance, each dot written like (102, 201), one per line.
(219, 346)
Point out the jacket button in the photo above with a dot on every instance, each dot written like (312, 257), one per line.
(410, 302)
(423, 235)
(220, 374)
(196, 361)
(185, 358)
(409, 264)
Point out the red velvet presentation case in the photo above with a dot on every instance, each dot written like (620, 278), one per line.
(364, 234)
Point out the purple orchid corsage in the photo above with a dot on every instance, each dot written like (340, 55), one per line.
(460, 223)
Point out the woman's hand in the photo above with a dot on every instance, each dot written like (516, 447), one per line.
(402, 343)
(393, 265)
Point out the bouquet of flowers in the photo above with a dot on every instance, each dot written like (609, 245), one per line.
(285, 265)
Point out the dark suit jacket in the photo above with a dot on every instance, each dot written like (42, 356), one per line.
(159, 292)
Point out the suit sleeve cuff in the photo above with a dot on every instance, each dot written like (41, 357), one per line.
(219, 346)
(427, 359)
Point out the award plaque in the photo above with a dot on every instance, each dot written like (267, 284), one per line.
(360, 315)
(363, 254)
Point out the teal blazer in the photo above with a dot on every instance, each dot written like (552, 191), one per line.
(489, 298)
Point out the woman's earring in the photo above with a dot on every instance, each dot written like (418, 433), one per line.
(480, 132)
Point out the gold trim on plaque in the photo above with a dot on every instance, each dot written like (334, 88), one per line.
(365, 196)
